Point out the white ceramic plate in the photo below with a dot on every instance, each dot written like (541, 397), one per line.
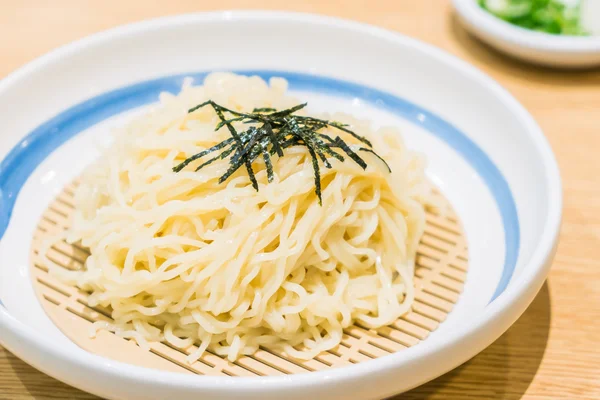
(486, 153)
(527, 45)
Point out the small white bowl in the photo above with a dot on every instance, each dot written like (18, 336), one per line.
(535, 47)
(485, 153)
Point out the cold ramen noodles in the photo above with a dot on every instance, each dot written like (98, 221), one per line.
(232, 216)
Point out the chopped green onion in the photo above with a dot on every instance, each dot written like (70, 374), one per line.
(548, 16)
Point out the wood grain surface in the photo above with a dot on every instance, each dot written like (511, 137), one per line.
(553, 351)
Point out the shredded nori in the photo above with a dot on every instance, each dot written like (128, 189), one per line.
(274, 131)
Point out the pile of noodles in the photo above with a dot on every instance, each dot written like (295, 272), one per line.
(180, 258)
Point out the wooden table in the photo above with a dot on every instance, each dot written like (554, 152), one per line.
(553, 351)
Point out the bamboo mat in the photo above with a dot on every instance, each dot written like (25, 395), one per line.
(440, 272)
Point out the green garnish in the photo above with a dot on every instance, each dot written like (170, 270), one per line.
(274, 132)
(549, 16)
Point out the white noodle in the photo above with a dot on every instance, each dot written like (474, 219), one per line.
(181, 258)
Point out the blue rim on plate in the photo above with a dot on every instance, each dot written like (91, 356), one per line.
(22, 160)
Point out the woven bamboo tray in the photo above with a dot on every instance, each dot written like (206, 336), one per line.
(440, 274)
